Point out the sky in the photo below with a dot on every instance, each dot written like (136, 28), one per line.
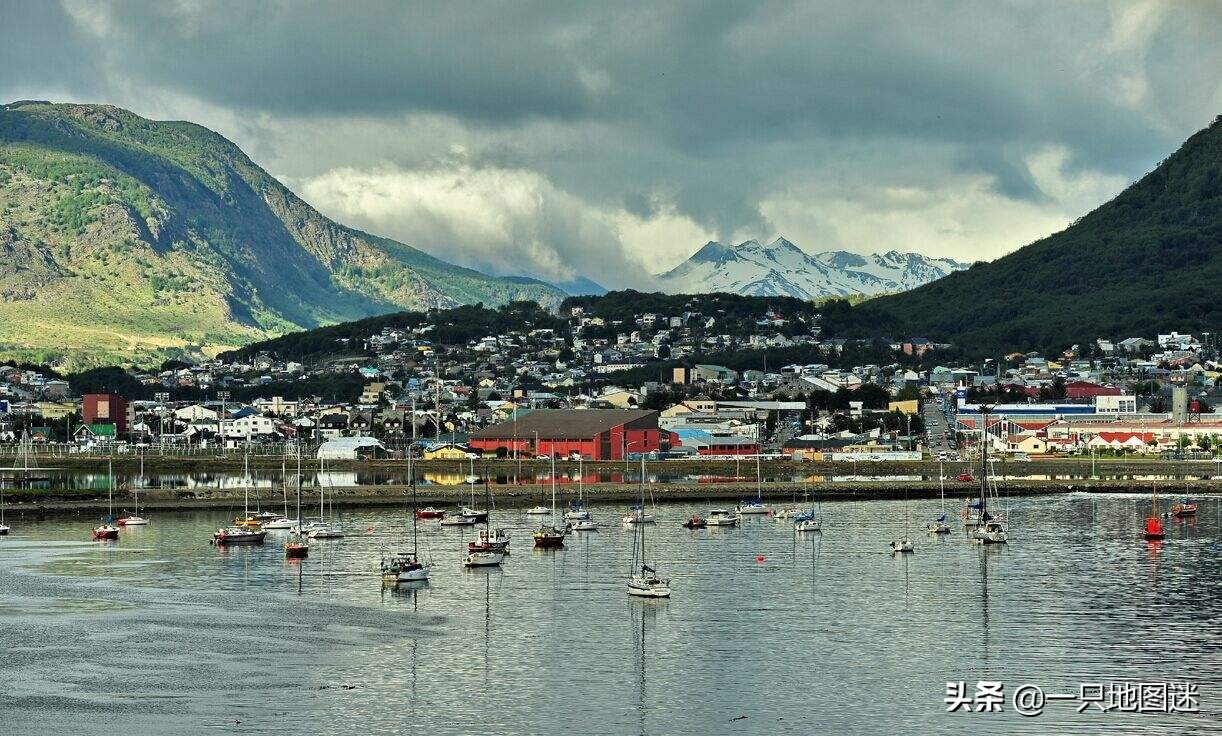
(612, 140)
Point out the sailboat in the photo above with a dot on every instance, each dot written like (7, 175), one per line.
(328, 528)
(939, 525)
(550, 535)
(644, 581)
(248, 520)
(282, 521)
(4, 530)
(757, 506)
(489, 539)
(135, 519)
(407, 567)
(490, 548)
(106, 530)
(904, 545)
(25, 474)
(990, 529)
(1154, 522)
(807, 521)
(1186, 507)
(239, 533)
(297, 546)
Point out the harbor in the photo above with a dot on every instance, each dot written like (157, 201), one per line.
(322, 643)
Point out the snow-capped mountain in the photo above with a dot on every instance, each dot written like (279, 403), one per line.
(783, 269)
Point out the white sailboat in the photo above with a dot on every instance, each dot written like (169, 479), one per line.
(407, 567)
(550, 536)
(296, 547)
(282, 521)
(644, 581)
(757, 506)
(990, 529)
(903, 544)
(135, 519)
(328, 528)
(939, 525)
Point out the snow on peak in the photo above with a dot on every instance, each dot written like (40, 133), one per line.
(781, 268)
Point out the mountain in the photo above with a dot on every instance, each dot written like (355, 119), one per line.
(576, 286)
(1148, 261)
(783, 269)
(123, 238)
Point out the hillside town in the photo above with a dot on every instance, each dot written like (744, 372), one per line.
(608, 389)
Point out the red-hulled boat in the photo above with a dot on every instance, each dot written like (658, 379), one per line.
(496, 540)
(1154, 524)
(296, 548)
(428, 512)
(1184, 508)
(549, 536)
(105, 531)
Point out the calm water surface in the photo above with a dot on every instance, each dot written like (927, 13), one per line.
(161, 633)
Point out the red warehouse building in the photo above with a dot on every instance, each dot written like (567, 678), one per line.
(106, 409)
(597, 434)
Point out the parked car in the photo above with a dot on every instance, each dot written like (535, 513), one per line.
(965, 477)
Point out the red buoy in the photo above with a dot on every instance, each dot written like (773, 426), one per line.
(759, 558)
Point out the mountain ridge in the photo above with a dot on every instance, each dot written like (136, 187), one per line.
(781, 268)
(126, 237)
(1149, 260)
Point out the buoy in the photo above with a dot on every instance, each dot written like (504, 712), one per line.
(759, 558)
(369, 530)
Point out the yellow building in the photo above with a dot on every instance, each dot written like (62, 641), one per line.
(446, 452)
(55, 409)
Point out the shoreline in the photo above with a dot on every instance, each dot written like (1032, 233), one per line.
(524, 496)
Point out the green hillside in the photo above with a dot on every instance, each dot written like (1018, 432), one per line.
(127, 239)
(1150, 260)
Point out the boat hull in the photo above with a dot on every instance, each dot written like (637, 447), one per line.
(297, 551)
(106, 533)
(483, 559)
(643, 589)
(229, 540)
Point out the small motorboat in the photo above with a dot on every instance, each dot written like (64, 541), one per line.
(1184, 508)
(538, 511)
(648, 585)
(483, 559)
(548, 537)
(584, 525)
(695, 521)
(404, 567)
(106, 531)
(458, 520)
(429, 512)
(496, 540)
(904, 545)
(721, 517)
(238, 535)
(326, 531)
(296, 548)
(280, 522)
(4, 530)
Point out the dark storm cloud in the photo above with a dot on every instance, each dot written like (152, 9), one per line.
(710, 108)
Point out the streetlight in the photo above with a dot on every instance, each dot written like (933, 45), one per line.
(162, 397)
(224, 397)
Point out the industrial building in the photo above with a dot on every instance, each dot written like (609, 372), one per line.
(595, 434)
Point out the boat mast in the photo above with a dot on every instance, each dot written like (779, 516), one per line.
(412, 479)
(553, 454)
(984, 459)
(299, 523)
(110, 488)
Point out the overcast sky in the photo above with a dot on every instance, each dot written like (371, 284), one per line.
(612, 141)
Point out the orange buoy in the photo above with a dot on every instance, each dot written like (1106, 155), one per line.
(759, 558)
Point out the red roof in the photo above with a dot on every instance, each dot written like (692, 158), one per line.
(1122, 437)
(1087, 390)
